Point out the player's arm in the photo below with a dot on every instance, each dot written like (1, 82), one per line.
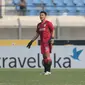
(53, 33)
(52, 38)
(34, 38)
(51, 27)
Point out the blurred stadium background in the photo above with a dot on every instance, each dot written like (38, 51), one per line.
(66, 15)
(68, 18)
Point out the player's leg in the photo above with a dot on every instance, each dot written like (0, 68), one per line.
(47, 62)
(45, 50)
(50, 48)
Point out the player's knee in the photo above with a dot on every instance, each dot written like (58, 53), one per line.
(46, 55)
(47, 60)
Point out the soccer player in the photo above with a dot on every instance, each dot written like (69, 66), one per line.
(46, 31)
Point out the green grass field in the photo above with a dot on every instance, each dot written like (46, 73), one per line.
(33, 77)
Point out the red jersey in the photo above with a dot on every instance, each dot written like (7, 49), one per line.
(45, 30)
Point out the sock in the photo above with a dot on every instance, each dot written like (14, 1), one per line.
(47, 62)
(49, 66)
(45, 65)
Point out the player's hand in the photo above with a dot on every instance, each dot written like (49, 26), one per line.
(29, 44)
(51, 41)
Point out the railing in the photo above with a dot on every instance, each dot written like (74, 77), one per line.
(57, 29)
(0, 13)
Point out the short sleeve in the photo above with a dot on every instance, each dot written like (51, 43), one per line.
(51, 27)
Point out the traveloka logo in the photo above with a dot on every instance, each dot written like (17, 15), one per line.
(76, 54)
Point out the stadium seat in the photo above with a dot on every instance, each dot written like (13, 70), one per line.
(69, 2)
(50, 10)
(29, 2)
(15, 2)
(48, 3)
(80, 11)
(84, 2)
(33, 11)
(60, 10)
(54, 7)
(58, 2)
(30, 6)
(37, 2)
(71, 10)
(78, 2)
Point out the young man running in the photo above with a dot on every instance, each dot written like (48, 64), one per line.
(46, 31)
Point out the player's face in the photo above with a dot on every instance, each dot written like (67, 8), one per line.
(42, 16)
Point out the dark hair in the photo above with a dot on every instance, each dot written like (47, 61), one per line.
(43, 12)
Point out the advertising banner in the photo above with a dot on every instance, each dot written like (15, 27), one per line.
(19, 56)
